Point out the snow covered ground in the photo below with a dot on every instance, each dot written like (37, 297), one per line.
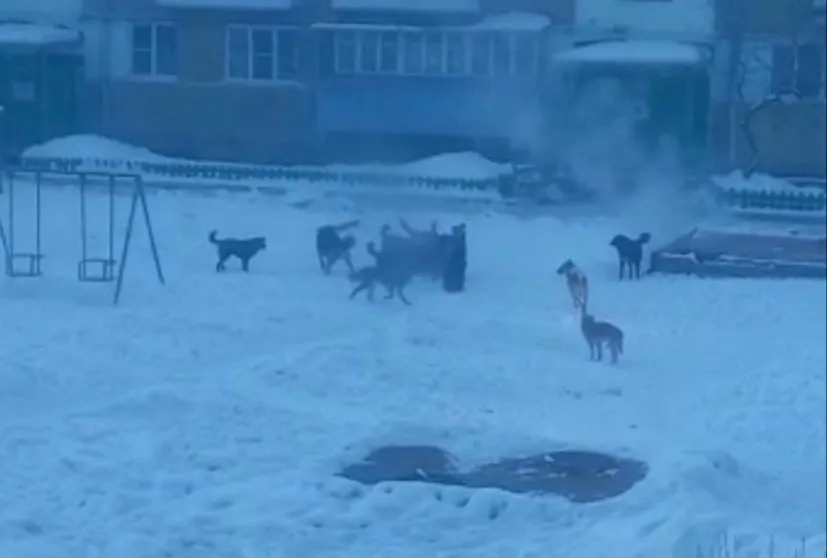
(206, 418)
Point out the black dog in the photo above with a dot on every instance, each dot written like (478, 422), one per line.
(388, 270)
(331, 246)
(242, 248)
(630, 253)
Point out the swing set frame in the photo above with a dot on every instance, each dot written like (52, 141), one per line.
(92, 268)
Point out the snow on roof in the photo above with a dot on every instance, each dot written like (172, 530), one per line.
(408, 5)
(633, 52)
(41, 11)
(516, 21)
(31, 34)
(229, 4)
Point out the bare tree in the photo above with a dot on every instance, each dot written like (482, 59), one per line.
(742, 63)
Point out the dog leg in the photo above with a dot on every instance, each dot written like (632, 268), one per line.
(245, 264)
(348, 261)
(331, 261)
(402, 297)
(359, 288)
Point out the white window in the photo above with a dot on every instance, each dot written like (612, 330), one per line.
(154, 50)
(434, 53)
(344, 52)
(389, 52)
(480, 54)
(414, 50)
(369, 52)
(456, 54)
(261, 54)
(800, 69)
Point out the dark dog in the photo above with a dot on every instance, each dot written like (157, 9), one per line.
(630, 253)
(331, 246)
(597, 333)
(388, 270)
(577, 283)
(242, 248)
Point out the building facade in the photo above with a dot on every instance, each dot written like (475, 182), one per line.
(294, 80)
(278, 80)
(768, 110)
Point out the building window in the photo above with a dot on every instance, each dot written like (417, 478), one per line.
(456, 54)
(798, 68)
(261, 54)
(413, 49)
(481, 55)
(435, 53)
(154, 50)
(369, 52)
(810, 69)
(344, 52)
(389, 53)
(264, 55)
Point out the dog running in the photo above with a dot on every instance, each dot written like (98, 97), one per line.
(244, 249)
(577, 283)
(332, 246)
(630, 253)
(388, 270)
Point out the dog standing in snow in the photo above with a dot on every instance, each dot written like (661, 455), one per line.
(630, 253)
(577, 283)
(599, 333)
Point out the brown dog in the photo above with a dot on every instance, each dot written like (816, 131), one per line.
(597, 333)
(577, 282)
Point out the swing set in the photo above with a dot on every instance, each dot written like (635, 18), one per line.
(93, 267)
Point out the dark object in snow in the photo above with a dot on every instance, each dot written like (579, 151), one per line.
(710, 253)
(579, 476)
(456, 261)
(630, 253)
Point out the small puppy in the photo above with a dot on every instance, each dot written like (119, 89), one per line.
(597, 333)
(630, 253)
(331, 246)
(577, 282)
(242, 248)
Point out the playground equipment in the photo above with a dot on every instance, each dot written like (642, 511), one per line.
(96, 268)
(13, 255)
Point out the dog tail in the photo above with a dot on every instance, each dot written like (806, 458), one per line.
(213, 237)
(620, 344)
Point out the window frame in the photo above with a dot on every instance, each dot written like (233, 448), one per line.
(153, 51)
(412, 45)
(795, 72)
(277, 72)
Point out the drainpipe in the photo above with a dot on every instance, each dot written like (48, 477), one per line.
(105, 56)
(735, 37)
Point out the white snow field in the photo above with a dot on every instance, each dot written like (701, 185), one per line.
(206, 418)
